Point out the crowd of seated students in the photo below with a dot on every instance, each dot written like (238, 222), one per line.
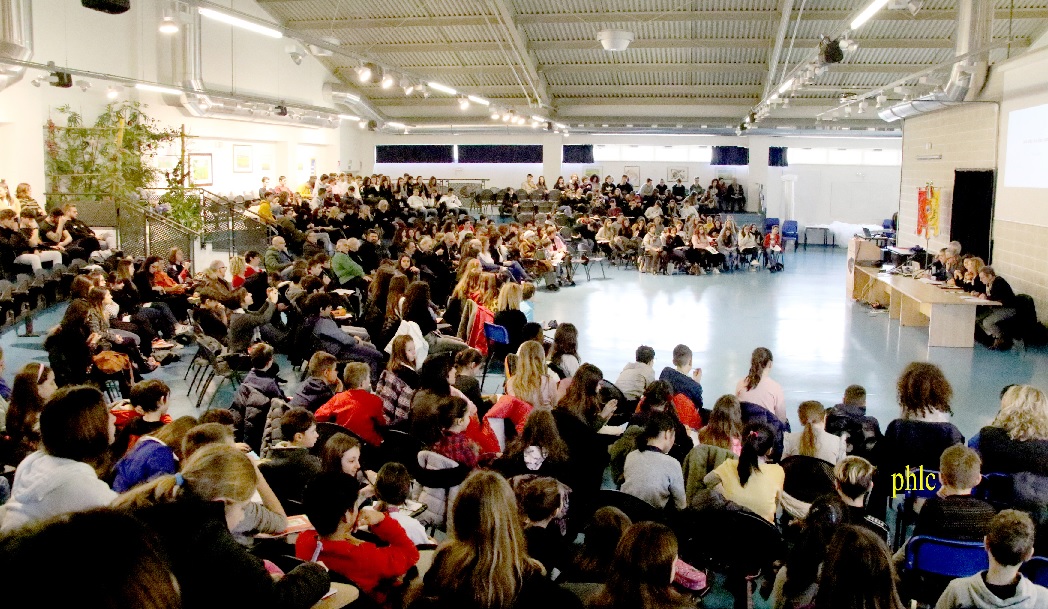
(507, 534)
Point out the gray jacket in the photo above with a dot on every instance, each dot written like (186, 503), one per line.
(971, 592)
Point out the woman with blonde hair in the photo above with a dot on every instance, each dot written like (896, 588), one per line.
(533, 381)
(192, 513)
(509, 316)
(1017, 440)
(24, 194)
(7, 201)
(484, 563)
(814, 441)
(487, 293)
(237, 266)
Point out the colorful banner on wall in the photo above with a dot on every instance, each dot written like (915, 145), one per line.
(928, 211)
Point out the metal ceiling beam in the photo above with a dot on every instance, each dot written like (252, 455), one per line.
(630, 17)
(786, 9)
(695, 43)
(845, 68)
(589, 90)
(519, 42)
(564, 103)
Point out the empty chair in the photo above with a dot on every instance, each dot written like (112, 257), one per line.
(789, 233)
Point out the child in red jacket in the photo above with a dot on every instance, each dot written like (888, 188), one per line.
(330, 503)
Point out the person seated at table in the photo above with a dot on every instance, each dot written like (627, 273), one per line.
(997, 289)
(1009, 543)
(968, 278)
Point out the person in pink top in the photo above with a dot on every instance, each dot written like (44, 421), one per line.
(759, 388)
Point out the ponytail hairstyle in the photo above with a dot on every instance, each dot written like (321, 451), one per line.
(810, 413)
(757, 440)
(657, 423)
(758, 362)
(216, 472)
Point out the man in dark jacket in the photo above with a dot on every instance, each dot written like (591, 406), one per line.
(998, 289)
(679, 377)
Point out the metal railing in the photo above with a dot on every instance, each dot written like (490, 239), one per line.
(227, 224)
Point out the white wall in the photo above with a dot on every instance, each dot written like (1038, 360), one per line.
(824, 193)
(127, 45)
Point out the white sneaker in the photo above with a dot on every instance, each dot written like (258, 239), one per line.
(183, 329)
(716, 271)
(754, 263)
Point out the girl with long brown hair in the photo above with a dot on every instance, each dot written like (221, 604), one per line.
(759, 388)
(725, 426)
(641, 574)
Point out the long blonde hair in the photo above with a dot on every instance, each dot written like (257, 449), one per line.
(810, 413)
(485, 558)
(215, 472)
(488, 293)
(531, 372)
(469, 282)
(509, 297)
(1024, 413)
(237, 266)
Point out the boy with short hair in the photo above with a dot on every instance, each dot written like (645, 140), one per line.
(637, 375)
(392, 485)
(1009, 543)
(291, 464)
(526, 307)
(330, 502)
(322, 382)
(143, 414)
(682, 377)
(955, 513)
(357, 408)
(849, 417)
(262, 376)
(853, 479)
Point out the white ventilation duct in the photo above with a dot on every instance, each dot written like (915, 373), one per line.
(974, 32)
(16, 38)
(185, 70)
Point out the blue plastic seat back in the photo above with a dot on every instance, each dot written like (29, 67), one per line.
(496, 334)
(930, 485)
(1036, 570)
(887, 224)
(789, 229)
(945, 557)
(770, 222)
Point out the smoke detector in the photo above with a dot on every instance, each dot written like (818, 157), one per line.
(615, 40)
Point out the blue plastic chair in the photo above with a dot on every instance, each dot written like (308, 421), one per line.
(1036, 570)
(905, 510)
(945, 557)
(768, 223)
(789, 233)
(494, 334)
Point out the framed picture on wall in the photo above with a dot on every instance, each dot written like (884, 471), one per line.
(200, 170)
(676, 173)
(243, 161)
(633, 173)
(592, 171)
(166, 163)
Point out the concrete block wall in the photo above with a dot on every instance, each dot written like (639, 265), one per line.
(1020, 255)
(966, 137)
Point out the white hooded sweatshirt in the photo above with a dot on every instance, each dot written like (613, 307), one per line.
(47, 486)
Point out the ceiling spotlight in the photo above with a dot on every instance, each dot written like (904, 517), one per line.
(83, 84)
(168, 25)
(881, 99)
(364, 73)
(387, 81)
(363, 124)
(463, 104)
(112, 93)
(495, 114)
(507, 116)
(407, 85)
(423, 89)
(534, 124)
(615, 40)
(847, 111)
(38, 81)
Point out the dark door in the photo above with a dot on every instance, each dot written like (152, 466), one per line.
(971, 220)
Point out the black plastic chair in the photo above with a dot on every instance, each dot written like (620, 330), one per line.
(637, 509)
(623, 409)
(807, 478)
(739, 544)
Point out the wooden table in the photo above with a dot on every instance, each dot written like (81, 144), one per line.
(949, 317)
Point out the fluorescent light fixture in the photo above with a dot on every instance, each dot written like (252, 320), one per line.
(495, 115)
(396, 125)
(157, 88)
(478, 100)
(243, 24)
(784, 87)
(868, 12)
(463, 103)
(537, 118)
(442, 88)
(348, 117)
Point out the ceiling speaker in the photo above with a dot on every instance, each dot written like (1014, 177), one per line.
(113, 7)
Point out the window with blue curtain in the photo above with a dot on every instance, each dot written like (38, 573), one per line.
(578, 153)
(730, 155)
(414, 154)
(475, 153)
(777, 157)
